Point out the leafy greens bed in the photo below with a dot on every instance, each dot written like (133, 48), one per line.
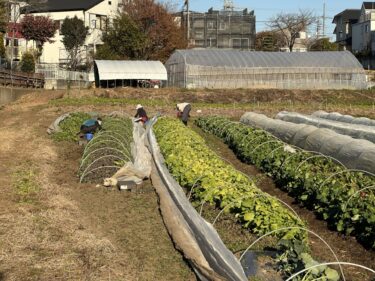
(344, 199)
(212, 180)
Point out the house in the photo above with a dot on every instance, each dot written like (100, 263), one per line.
(344, 22)
(300, 44)
(96, 14)
(220, 29)
(363, 39)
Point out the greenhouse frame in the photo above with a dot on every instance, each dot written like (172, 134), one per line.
(217, 68)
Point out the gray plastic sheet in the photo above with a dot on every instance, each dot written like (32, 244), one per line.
(220, 259)
(354, 130)
(353, 153)
(335, 116)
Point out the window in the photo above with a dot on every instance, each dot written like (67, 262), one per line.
(222, 25)
(236, 43)
(57, 24)
(366, 28)
(98, 22)
(199, 43)
(109, 2)
(93, 23)
(211, 42)
(199, 34)
(198, 23)
(245, 43)
(211, 25)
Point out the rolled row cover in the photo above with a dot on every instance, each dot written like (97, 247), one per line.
(353, 153)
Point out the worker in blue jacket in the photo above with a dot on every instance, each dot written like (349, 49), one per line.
(91, 125)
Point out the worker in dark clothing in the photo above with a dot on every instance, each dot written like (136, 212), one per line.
(141, 114)
(183, 111)
(91, 125)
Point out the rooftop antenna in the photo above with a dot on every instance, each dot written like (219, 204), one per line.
(228, 5)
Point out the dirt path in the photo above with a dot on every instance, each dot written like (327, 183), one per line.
(346, 248)
(52, 228)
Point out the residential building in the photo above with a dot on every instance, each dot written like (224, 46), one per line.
(96, 14)
(344, 22)
(13, 41)
(300, 44)
(220, 29)
(363, 40)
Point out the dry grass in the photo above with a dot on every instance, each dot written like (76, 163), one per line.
(81, 232)
(66, 231)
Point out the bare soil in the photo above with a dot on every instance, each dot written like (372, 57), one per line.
(232, 103)
(346, 248)
(71, 231)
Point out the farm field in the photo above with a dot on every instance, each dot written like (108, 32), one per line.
(53, 228)
(344, 246)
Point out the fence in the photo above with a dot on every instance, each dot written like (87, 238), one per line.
(54, 72)
(59, 78)
(21, 79)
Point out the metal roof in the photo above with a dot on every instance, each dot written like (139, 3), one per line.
(250, 59)
(62, 5)
(130, 70)
(348, 15)
(369, 5)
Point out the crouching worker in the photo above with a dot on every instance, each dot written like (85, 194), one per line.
(89, 128)
(141, 115)
(183, 111)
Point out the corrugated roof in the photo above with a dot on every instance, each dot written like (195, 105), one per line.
(246, 59)
(62, 5)
(130, 70)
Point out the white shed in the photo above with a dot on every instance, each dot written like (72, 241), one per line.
(113, 73)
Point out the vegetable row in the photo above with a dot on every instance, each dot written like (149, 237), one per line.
(210, 179)
(192, 163)
(345, 199)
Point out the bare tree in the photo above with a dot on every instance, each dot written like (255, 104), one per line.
(290, 25)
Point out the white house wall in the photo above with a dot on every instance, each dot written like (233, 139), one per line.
(104, 8)
(53, 52)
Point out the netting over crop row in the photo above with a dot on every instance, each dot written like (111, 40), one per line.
(355, 131)
(355, 154)
(109, 150)
(344, 118)
(210, 68)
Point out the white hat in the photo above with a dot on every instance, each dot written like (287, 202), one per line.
(138, 106)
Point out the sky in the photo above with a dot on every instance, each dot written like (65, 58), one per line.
(265, 9)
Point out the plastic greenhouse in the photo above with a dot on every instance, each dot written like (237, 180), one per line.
(215, 68)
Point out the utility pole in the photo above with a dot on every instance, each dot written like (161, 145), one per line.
(324, 19)
(188, 21)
